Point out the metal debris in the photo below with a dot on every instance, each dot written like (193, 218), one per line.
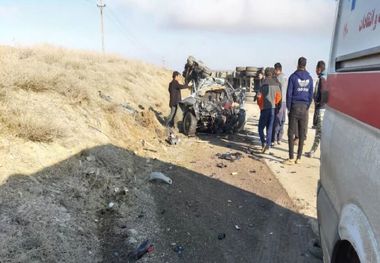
(230, 156)
(90, 158)
(221, 236)
(140, 251)
(172, 139)
(160, 177)
(221, 165)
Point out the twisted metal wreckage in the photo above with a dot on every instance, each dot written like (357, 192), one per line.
(214, 105)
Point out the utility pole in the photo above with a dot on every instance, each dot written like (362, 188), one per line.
(101, 5)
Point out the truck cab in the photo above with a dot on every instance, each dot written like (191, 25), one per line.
(348, 200)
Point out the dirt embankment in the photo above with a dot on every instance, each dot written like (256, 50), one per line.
(56, 102)
(72, 125)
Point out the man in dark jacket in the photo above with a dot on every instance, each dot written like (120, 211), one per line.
(268, 98)
(319, 106)
(280, 118)
(175, 97)
(298, 100)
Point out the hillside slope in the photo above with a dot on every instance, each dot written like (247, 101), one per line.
(56, 102)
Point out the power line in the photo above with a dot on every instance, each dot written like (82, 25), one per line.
(101, 6)
(128, 34)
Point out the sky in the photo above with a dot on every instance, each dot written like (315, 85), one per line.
(222, 33)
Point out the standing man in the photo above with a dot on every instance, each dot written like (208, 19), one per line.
(280, 118)
(268, 97)
(258, 83)
(298, 100)
(175, 97)
(319, 106)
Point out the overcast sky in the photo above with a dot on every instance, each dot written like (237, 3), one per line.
(222, 33)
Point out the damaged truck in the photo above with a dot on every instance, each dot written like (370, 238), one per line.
(214, 105)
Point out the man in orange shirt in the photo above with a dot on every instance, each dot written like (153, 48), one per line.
(268, 97)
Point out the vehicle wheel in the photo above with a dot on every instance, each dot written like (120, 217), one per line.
(239, 69)
(189, 124)
(252, 69)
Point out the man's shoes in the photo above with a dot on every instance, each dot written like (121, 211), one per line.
(309, 154)
(278, 143)
(298, 161)
(272, 144)
(265, 148)
(289, 162)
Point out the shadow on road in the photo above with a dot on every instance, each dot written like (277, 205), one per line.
(64, 214)
(247, 141)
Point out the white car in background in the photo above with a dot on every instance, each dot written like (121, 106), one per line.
(349, 190)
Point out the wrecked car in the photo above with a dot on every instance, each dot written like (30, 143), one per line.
(214, 105)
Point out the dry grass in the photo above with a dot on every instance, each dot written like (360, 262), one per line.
(29, 123)
(49, 93)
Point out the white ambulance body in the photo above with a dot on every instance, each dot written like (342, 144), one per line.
(349, 190)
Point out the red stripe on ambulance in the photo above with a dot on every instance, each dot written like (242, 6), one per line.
(357, 95)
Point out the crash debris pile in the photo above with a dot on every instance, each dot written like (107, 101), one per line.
(214, 105)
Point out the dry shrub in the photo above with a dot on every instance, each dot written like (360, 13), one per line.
(29, 125)
(119, 122)
(27, 53)
(32, 84)
(148, 120)
(73, 79)
(33, 129)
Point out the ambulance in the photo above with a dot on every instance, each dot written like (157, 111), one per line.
(349, 189)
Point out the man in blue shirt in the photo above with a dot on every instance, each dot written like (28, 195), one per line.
(299, 96)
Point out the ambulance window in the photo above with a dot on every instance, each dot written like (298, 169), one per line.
(356, 45)
(366, 60)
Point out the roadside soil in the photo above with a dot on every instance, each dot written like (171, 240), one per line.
(98, 206)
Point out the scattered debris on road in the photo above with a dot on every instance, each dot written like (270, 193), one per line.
(230, 156)
(221, 236)
(140, 251)
(157, 176)
(90, 158)
(221, 165)
(172, 138)
(315, 249)
(178, 249)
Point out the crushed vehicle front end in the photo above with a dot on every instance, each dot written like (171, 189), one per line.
(214, 107)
